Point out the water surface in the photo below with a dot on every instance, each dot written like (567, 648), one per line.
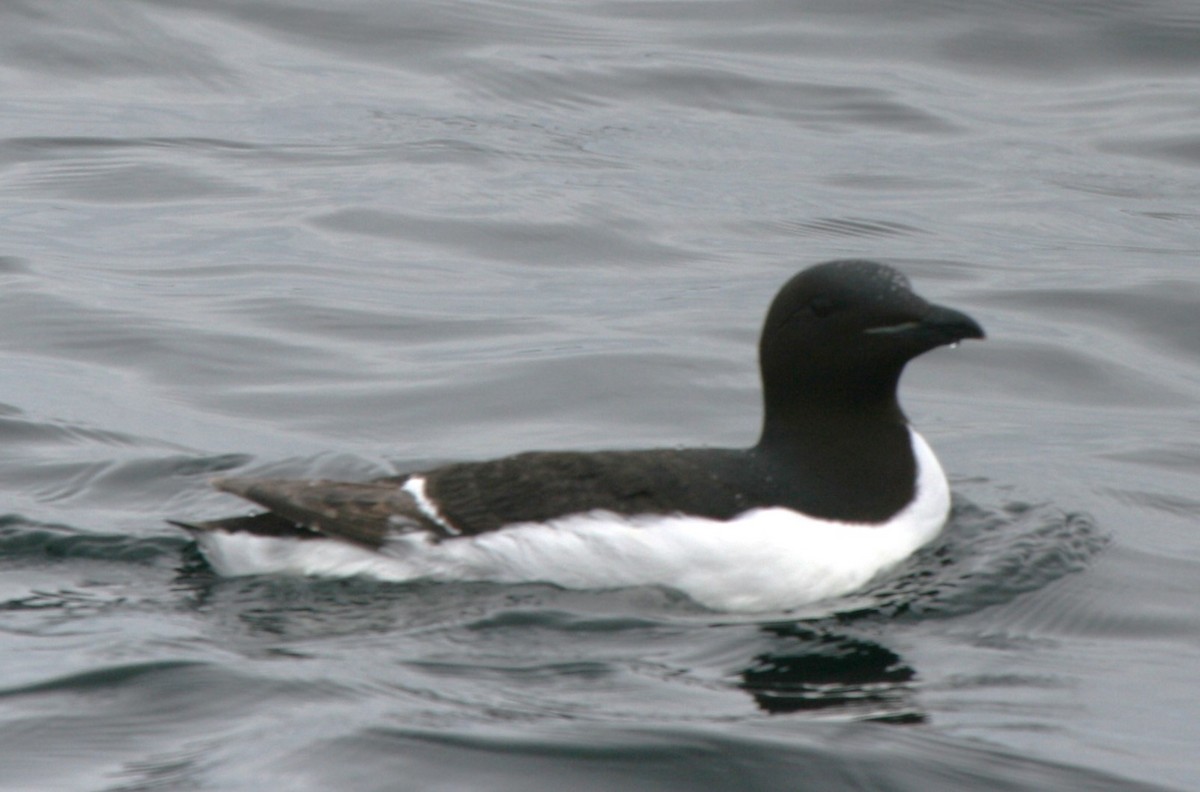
(287, 238)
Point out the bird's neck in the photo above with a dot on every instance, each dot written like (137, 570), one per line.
(801, 425)
(798, 411)
(856, 458)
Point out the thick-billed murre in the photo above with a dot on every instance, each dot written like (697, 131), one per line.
(837, 489)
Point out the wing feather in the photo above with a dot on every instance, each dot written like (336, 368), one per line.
(365, 513)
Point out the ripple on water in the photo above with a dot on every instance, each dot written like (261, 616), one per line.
(23, 540)
(987, 555)
(480, 654)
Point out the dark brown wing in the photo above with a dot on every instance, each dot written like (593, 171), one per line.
(365, 513)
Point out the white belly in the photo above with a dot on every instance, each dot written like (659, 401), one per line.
(766, 559)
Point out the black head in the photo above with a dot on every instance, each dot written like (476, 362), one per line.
(839, 334)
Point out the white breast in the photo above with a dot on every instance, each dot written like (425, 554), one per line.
(766, 559)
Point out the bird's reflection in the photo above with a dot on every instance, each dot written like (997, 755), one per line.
(815, 670)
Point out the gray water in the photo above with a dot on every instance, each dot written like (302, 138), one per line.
(338, 239)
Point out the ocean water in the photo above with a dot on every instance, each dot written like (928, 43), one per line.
(285, 237)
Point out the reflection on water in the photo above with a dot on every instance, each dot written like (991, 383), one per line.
(820, 671)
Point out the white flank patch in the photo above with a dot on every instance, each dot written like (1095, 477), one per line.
(415, 486)
(764, 560)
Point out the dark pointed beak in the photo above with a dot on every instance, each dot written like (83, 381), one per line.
(952, 325)
(937, 325)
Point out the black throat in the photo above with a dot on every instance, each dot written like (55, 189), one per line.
(849, 455)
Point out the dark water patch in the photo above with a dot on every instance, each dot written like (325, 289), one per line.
(1082, 41)
(23, 541)
(1169, 41)
(581, 758)
(101, 680)
(1175, 150)
(11, 265)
